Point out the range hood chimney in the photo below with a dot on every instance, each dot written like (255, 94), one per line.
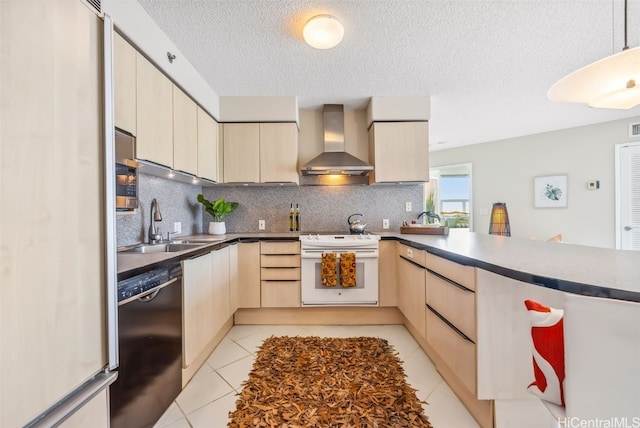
(334, 160)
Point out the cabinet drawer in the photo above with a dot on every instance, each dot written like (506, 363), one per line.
(280, 294)
(457, 305)
(280, 274)
(286, 247)
(463, 275)
(279, 260)
(457, 352)
(413, 254)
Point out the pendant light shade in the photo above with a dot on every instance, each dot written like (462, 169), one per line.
(608, 83)
(323, 32)
(499, 222)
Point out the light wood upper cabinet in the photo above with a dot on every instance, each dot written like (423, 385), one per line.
(154, 99)
(241, 152)
(399, 151)
(249, 274)
(260, 153)
(207, 146)
(278, 153)
(185, 132)
(124, 83)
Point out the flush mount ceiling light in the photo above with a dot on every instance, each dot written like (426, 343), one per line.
(323, 32)
(607, 83)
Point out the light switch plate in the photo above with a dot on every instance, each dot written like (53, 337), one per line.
(177, 227)
(407, 206)
(385, 223)
(261, 224)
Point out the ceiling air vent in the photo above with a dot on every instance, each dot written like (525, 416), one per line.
(94, 4)
(634, 129)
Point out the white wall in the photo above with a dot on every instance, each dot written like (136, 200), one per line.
(504, 171)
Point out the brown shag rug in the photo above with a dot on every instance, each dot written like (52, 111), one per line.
(327, 382)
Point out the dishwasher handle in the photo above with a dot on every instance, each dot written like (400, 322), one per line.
(148, 295)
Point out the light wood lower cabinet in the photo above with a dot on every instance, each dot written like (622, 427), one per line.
(388, 293)
(197, 306)
(280, 274)
(233, 278)
(205, 300)
(411, 287)
(249, 274)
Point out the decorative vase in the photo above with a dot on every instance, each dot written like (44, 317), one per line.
(217, 228)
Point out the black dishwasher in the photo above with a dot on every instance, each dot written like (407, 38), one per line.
(150, 347)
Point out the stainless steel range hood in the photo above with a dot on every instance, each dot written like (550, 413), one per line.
(334, 160)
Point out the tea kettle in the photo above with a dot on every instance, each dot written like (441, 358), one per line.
(356, 225)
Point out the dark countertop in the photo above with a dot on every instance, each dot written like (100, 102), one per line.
(589, 271)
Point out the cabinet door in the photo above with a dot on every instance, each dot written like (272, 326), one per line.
(399, 151)
(185, 132)
(220, 275)
(197, 306)
(207, 146)
(233, 278)
(52, 333)
(411, 294)
(278, 153)
(94, 414)
(387, 274)
(249, 275)
(241, 152)
(124, 84)
(154, 101)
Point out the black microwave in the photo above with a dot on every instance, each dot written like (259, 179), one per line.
(126, 172)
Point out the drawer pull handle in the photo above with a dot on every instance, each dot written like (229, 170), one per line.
(412, 262)
(453, 327)
(455, 284)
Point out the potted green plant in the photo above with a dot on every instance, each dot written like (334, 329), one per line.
(218, 210)
(430, 205)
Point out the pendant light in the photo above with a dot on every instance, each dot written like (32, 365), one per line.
(612, 82)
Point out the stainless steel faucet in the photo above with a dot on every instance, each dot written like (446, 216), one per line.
(154, 233)
(429, 214)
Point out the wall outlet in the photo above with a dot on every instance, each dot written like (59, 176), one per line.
(261, 224)
(407, 206)
(385, 223)
(177, 227)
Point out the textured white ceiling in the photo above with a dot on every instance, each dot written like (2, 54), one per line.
(487, 65)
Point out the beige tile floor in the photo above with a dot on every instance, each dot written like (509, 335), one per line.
(209, 397)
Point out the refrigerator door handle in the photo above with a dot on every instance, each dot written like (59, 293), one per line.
(110, 199)
(66, 407)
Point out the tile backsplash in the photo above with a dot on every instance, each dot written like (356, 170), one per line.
(177, 202)
(323, 208)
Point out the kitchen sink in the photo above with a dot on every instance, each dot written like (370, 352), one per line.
(163, 248)
(198, 241)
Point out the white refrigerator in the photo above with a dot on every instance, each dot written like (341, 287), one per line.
(57, 244)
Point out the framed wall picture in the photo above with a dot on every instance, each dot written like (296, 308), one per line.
(550, 191)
